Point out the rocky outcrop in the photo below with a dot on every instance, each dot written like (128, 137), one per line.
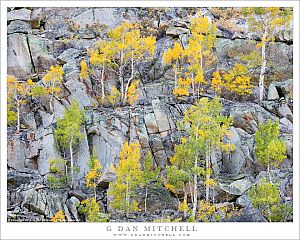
(19, 61)
(20, 14)
(41, 37)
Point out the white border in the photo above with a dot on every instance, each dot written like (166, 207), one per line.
(98, 230)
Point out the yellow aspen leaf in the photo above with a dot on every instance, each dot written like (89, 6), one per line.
(216, 82)
(114, 96)
(133, 92)
(59, 217)
(84, 70)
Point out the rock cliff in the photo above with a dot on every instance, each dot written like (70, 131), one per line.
(41, 37)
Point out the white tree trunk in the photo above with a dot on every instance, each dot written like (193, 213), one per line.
(121, 75)
(175, 77)
(193, 85)
(207, 165)
(269, 173)
(129, 80)
(102, 83)
(195, 191)
(127, 199)
(72, 163)
(18, 117)
(51, 99)
(146, 199)
(185, 200)
(262, 69)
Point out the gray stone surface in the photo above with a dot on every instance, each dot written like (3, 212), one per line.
(287, 123)
(69, 55)
(41, 57)
(19, 61)
(47, 152)
(237, 187)
(286, 88)
(249, 215)
(18, 26)
(79, 92)
(72, 204)
(247, 116)
(161, 117)
(235, 162)
(36, 18)
(16, 153)
(29, 120)
(82, 156)
(107, 146)
(20, 14)
(176, 31)
(244, 201)
(49, 37)
(285, 111)
(46, 203)
(150, 122)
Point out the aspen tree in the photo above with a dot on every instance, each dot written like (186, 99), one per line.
(100, 56)
(150, 175)
(189, 64)
(174, 56)
(266, 197)
(129, 176)
(91, 209)
(114, 96)
(199, 51)
(269, 149)
(84, 70)
(217, 82)
(68, 132)
(17, 92)
(127, 47)
(179, 179)
(53, 78)
(238, 80)
(93, 176)
(265, 22)
(206, 128)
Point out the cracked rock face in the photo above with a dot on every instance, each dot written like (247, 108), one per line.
(19, 59)
(41, 37)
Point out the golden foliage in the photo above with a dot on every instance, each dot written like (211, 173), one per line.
(210, 182)
(94, 174)
(238, 80)
(179, 92)
(91, 209)
(129, 176)
(17, 92)
(266, 21)
(183, 207)
(171, 188)
(206, 211)
(133, 92)
(53, 78)
(173, 54)
(197, 56)
(217, 82)
(114, 96)
(59, 217)
(124, 48)
(84, 70)
(54, 75)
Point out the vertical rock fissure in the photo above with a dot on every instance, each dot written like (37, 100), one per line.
(31, 59)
